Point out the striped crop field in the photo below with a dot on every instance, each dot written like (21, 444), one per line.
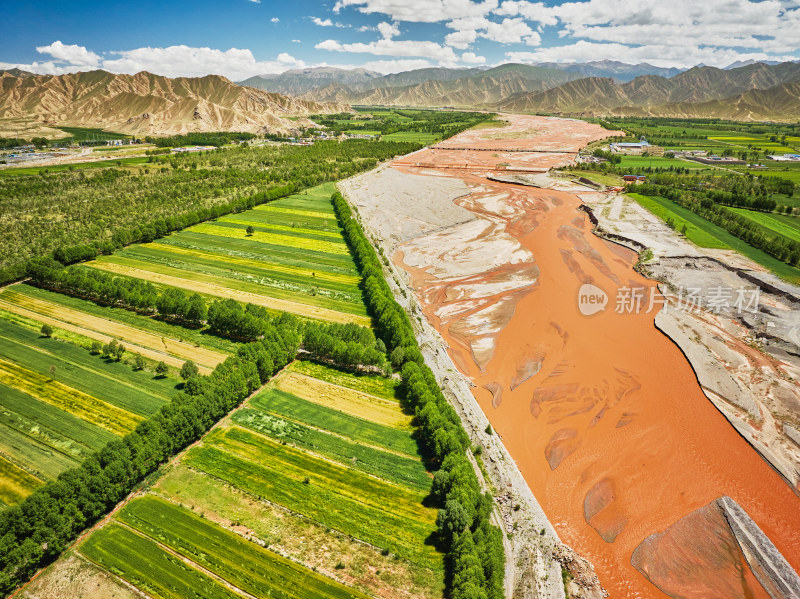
(242, 563)
(380, 513)
(287, 255)
(59, 404)
(349, 401)
(157, 347)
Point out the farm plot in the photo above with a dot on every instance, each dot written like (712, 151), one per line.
(787, 226)
(377, 461)
(386, 515)
(373, 385)
(195, 337)
(288, 255)
(352, 402)
(150, 345)
(241, 563)
(59, 404)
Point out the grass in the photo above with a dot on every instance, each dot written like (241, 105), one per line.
(198, 337)
(698, 230)
(361, 405)
(243, 563)
(379, 386)
(787, 226)
(144, 564)
(15, 483)
(293, 408)
(382, 514)
(404, 470)
(107, 416)
(303, 541)
(113, 382)
(704, 232)
(660, 161)
(37, 459)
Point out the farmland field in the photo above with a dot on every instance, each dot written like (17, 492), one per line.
(338, 494)
(706, 234)
(59, 404)
(787, 226)
(294, 259)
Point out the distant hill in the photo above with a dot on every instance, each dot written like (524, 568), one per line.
(443, 87)
(147, 104)
(611, 68)
(700, 91)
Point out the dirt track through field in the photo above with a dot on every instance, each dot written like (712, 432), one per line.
(602, 413)
(242, 296)
(171, 351)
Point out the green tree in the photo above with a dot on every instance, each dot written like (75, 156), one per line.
(119, 350)
(188, 370)
(162, 369)
(250, 230)
(46, 330)
(97, 348)
(139, 362)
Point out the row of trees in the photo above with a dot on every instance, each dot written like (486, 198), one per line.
(775, 244)
(346, 345)
(130, 293)
(474, 546)
(200, 139)
(35, 532)
(88, 212)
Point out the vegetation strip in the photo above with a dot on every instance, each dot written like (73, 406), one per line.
(349, 401)
(85, 407)
(225, 292)
(244, 564)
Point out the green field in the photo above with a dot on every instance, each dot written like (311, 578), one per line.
(787, 226)
(660, 161)
(291, 407)
(380, 386)
(395, 468)
(296, 253)
(383, 514)
(59, 404)
(423, 138)
(198, 337)
(59, 168)
(240, 562)
(706, 234)
(140, 561)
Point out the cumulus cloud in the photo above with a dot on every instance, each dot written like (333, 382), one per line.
(472, 58)
(322, 22)
(274, 20)
(72, 54)
(420, 11)
(391, 47)
(508, 31)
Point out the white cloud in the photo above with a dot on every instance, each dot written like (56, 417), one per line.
(274, 19)
(662, 56)
(296, 42)
(72, 54)
(509, 31)
(185, 61)
(472, 58)
(388, 30)
(322, 22)
(420, 11)
(390, 47)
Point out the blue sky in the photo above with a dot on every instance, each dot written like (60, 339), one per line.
(240, 38)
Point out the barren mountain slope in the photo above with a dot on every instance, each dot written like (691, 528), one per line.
(144, 103)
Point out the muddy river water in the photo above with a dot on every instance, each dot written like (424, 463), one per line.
(602, 412)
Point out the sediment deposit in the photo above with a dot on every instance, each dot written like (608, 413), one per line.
(602, 414)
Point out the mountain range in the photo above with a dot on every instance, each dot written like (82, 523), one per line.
(756, 91)
(146, 104)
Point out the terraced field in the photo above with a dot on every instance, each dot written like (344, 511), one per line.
(288, 255)
(59, 404)
(334, 502)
